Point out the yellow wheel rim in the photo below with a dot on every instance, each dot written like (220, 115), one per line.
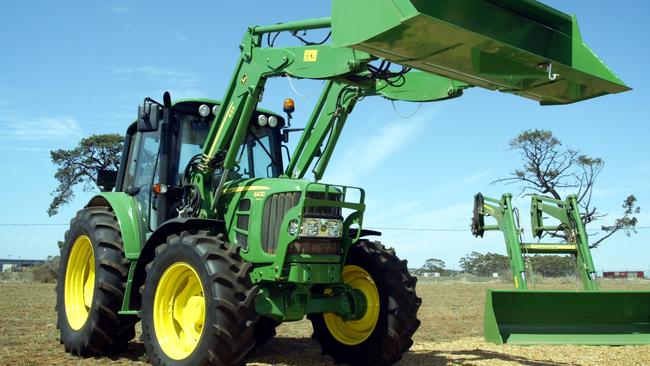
(79, 282)
(179, 311)
(354, 332)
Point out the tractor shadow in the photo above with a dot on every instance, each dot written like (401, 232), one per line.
(470, 357)
(306, 352)
(291, 352)
(135, 353)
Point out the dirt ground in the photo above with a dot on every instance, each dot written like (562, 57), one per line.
(450, 334)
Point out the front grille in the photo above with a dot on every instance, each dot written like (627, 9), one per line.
(242, 223)
(275, 208)
(320, 211)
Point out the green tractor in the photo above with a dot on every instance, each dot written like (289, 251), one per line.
(211, 237)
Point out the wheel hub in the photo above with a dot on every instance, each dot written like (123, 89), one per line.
(364, 292)
(179, 311)
(79, 282)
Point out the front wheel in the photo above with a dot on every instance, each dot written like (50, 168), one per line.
(384, 332)
(197, 303)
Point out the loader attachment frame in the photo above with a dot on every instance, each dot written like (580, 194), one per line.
(526, 316)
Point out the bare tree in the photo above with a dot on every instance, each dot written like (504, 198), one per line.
(552, 169)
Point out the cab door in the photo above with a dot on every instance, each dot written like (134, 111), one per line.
(141, 171)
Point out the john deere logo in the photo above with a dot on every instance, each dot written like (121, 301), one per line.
(259, 195)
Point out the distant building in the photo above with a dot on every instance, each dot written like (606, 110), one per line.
(12, 265)
(624, 274)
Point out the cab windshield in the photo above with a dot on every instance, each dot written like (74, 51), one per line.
(258, 157)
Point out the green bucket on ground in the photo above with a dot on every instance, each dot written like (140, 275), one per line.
(567, 317)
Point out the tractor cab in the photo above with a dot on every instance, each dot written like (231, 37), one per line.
(145, 159)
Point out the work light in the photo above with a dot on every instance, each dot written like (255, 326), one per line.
(262, 120)
(204, 110)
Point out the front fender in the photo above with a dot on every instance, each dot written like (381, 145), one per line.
(173, 226)
(126, 210)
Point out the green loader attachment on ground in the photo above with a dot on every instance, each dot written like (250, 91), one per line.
(526, 316)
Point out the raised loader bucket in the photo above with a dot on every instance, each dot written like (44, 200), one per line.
(567, 317)
(517, 46)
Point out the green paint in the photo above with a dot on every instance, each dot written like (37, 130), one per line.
(570, 224)
(501, 45)
(567, 317)
(285, 304)
(127, 293)
(128, 213)
(590, 316)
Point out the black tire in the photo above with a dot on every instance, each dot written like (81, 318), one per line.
(265, 330)
(227, 334)
(104, 331)
(399, 305)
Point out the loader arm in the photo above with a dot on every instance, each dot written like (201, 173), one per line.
(347, 78)
(527, 49)
(566, 212)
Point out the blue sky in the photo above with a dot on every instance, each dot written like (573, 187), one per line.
(71, 69)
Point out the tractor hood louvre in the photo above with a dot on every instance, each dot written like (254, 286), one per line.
(506, 45)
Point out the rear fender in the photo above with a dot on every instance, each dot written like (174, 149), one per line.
(125, 208)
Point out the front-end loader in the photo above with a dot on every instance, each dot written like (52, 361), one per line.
(211, 238)
(525, 316)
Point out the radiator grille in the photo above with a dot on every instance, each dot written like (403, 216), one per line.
(275, 208)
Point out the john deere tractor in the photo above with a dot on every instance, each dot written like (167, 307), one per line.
(211, 236)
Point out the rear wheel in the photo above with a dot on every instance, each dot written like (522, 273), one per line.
(90, 286)
(198, 303)
(384, 332)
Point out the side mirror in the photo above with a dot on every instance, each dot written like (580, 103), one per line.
(106, 179)
(149, 116)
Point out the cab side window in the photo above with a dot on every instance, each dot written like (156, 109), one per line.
(141, 172)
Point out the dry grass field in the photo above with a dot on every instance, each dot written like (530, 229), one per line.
(450, 334)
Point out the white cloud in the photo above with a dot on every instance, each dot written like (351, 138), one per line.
(24, 149)
(168, 75)
(120, 9)
(180, 37)
(416, 246)
(451, 217)
(58, 128)
(180, 84)
(361, 159)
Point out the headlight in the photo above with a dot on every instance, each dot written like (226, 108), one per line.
(293, 228)
(310, 227)
(334, 228)
(322, 228)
